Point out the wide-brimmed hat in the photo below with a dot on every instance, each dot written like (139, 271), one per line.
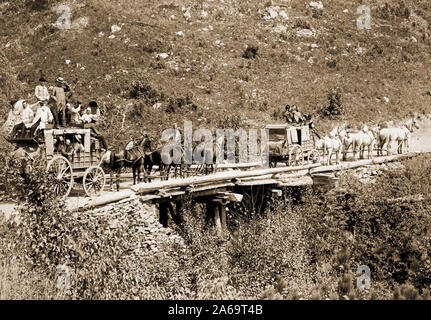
(42, 79)
(93, 104)
(59, 79)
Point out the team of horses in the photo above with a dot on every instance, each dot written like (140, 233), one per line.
(341, 139)
(141, 157)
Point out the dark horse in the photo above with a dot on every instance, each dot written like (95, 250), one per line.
(151, 158)
(131, 157)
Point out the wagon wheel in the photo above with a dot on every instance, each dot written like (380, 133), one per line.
(93, 181)
(313, 156)
(296, 156)
(61, 168)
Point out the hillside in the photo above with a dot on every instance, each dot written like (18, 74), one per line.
(151, 63)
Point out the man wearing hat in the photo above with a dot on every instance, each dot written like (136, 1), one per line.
(59, 105)
(41, 91)
(288, 114)
(297, 116)
(95, 111)
(43, 116)
(75, 117)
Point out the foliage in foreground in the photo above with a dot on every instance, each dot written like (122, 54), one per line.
(305, 244)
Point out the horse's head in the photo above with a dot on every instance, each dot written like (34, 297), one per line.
(412, 124)
(130, 145)
(319, 144)
(343, 133)
(334, 132)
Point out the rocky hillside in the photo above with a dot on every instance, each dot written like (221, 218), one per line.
(151, 63)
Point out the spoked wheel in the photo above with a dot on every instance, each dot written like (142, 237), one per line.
(93, 181)
(61, 168)
(296, 156)
(313, 156)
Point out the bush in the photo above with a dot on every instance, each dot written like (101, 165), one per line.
(335, 107)
(250, 52)
(306, 244)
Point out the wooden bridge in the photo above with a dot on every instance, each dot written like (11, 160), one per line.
(218, 189)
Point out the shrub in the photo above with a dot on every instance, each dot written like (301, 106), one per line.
(250, 52)
(301, 24)
(335, 107)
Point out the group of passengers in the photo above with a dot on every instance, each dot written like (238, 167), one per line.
(53, 108)
(67, 148)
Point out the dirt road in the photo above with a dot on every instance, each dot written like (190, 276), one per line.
(421, 139)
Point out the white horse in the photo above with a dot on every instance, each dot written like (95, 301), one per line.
(400, 134)
(329, 145)
(368, 140)
(359, 141)
(408, 127)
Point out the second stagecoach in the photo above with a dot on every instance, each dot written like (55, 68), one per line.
(291, 144)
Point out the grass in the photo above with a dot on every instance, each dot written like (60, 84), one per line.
(209, 65)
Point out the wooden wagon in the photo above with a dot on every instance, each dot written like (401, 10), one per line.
(291, 144)
(83, 165)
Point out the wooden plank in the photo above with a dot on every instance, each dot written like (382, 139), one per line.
(394, 157)
(210, 187)
(107, 199)
(200, 195)
(301, 181)
(258, 182)
(223, 219)
(289, 175)
(267, 176)
(217, 177)
(362, 163)
(87, 142)
(239, 165)
(230, 196)
(217, 220)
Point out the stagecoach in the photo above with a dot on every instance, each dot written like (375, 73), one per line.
(291, 144)
(83, 165)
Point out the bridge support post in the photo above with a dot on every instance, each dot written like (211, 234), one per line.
(163, 214)
(166, 208)
(219, 215)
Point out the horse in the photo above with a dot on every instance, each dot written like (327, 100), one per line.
(367, 141)
(408, 127)
(399, 134)
(328, 145)
(131, 157)
(151, 158)
(359, 140)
